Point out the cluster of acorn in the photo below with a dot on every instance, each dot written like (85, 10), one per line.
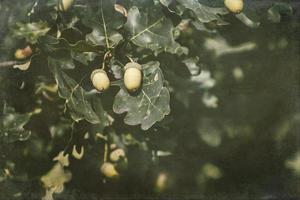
(132, 78)
(235, 6)
(116, 157)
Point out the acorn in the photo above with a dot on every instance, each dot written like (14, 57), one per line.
(132, 76)
(100, 80)
(64, 5)
(161, 182)
(235, 6)
(22, 54)
(116, 155)
(109, 170)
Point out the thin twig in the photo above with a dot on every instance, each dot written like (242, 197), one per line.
(8, 63)
(104, 27)
(71, 137)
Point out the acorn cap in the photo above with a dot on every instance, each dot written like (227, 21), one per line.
(132, 65)
(97, 71)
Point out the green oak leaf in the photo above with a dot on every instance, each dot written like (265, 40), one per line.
(97, 37)
(104, 21)
(80, 46)
(150, 105)
(173, 6)
(152, 30)
(203, 12)
(81, 105)
(51, 44)
(12, 125)
(115, 68)
(165, 2)
(30, 31)
(278, 9)
(84, 57)
(62, 52)
(62, 59)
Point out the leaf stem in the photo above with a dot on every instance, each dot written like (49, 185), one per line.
(106, 55)
(104, 26)
(105, 151)
(131, 60)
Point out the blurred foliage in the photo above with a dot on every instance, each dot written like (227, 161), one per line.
(217, 116)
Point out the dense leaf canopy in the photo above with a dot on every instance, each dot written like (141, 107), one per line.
(216, 112)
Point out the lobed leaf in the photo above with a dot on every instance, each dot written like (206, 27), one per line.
(31, 31)
(278, 9)
(104, 21)
(203, 12)
(52, 44)
(150, 105)
(12, 126)
(80, 105)
(152, 31)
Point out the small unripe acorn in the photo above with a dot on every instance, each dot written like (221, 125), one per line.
(64, 5)
(161, 182)
(116, 155)
(235, 6)
(109, 170)
(132, 76)
(21, 54)
(100, 79)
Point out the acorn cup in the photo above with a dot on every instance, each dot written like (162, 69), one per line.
(117, 154)
(132, 76)
(100, 80)
(109, 170)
